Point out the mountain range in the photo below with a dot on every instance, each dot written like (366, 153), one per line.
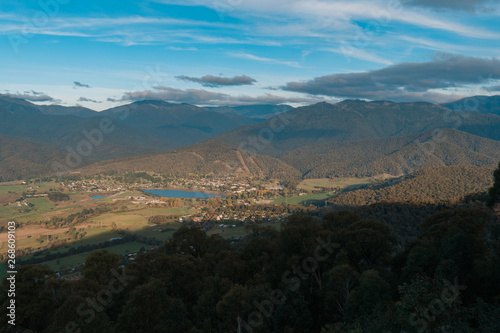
(349, 138)
(481, 104)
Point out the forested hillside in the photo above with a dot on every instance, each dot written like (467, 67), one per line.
(395, 155)
(204, 158)
(404, 202)
(432, 185)
(22, 158)
(181, 124)
(354, 121)
(24, 120)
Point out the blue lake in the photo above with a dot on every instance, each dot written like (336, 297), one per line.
(98, 197)
(182, 194)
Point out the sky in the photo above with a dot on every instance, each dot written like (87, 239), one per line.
(100, 54)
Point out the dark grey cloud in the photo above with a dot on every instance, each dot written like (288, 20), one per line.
(405, 81)
(217, 81)
(32, 96)
(460, 5)
(272, 99)
(85, 99)
(203, 97)
(191, 96)
(80, 85)
(34, 92)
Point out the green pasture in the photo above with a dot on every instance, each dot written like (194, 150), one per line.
(305, 200)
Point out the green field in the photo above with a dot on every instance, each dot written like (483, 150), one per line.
(228, 232)
(77, 259)
(18, 189)
(305, 200)
(43, 209)
(341, 183)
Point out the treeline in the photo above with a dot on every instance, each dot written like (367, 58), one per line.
(58, 196)
(337, 274)
(76, 218)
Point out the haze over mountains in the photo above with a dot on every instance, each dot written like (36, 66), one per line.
(481, 104)
(350, 138)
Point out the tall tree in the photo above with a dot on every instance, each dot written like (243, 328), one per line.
(494, 193)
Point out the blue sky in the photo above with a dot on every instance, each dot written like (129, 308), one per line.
(100, 54)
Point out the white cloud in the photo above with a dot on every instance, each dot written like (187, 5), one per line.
(244, 55)
(341, 11)
(351, 51)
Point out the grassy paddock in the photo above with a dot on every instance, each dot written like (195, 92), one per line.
(304, 200)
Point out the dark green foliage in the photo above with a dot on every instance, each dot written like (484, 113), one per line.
(150, 309)
(58, 196)
(68, 316)
(370, 298)
(340, 274)
(99, 266)
(35, 300)
(494, 192)
(293, 315)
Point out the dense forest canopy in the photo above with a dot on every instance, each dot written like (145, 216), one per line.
(340, 274)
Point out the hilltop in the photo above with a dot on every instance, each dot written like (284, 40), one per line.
(353, 121)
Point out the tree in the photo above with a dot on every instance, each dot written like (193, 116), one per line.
(293, 315)
(494, 193)
(35, 304)
(68, 317)
(99, 265)
(234, 308)
(151, 310)
(194, 241)
(339, 283)
(298, 235)
(368, 300)
(368, 243)
(212, 291)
